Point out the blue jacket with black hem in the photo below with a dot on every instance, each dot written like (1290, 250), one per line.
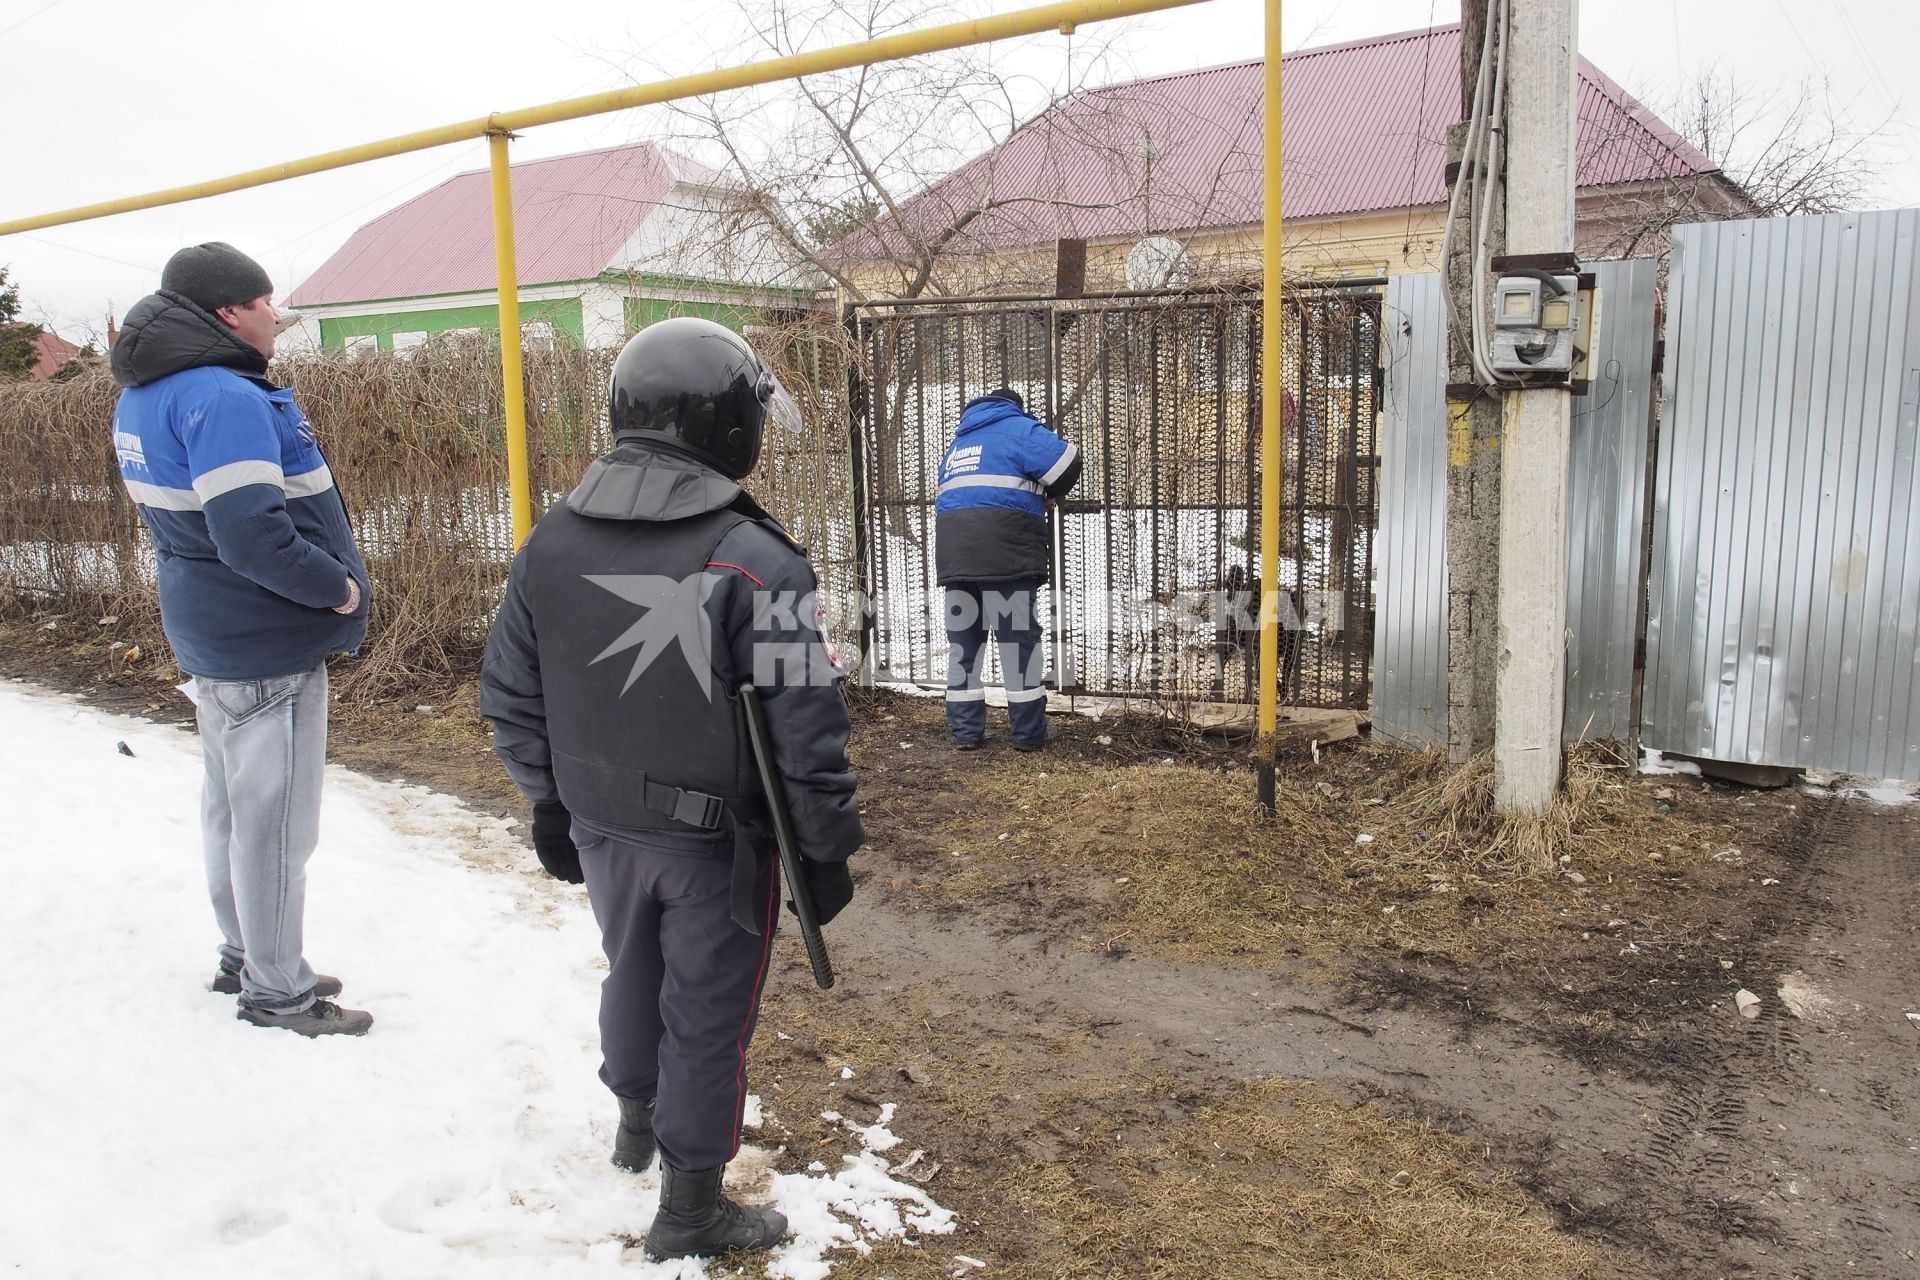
(251, 537)
(990, 517)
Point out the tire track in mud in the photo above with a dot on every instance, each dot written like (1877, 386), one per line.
(1872, 901)
(1709, 1072)
(1715, 1150)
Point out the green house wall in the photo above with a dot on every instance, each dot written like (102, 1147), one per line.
(641, 312)
(562, 313)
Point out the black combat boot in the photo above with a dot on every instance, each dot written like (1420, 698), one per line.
(633, 1144)
(696, 1221)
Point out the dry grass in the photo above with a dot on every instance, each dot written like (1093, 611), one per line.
(417, 442)
(1066, 1164)
(1372, 847)
(1470, 833)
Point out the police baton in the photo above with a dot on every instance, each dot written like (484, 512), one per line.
(762, 742)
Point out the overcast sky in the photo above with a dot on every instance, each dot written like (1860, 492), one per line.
(108, 98)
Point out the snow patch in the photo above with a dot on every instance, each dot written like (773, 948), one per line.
(153, 1134)
(1889, 794)
(1653, 762)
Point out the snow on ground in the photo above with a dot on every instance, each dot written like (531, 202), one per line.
(1653, 762)
(148, 1132)
(1882, 791)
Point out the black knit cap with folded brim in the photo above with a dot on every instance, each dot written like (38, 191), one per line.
(215, 275)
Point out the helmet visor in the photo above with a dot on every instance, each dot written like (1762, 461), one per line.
(779, 403)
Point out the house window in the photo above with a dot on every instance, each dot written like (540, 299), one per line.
(361, 342)
(408, 341)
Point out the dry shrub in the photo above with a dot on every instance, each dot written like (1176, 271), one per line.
(417, 443)
(1469, 832)
(70, 539)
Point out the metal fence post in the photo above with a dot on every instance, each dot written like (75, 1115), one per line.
(512, 378)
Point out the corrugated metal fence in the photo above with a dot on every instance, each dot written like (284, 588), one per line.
(1410, 632)
(1607, 472)
(1785, 588)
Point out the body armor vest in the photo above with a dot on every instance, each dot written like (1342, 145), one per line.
(638, 679)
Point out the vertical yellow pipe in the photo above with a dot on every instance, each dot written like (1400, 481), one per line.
(1272, 385)
(513, 391)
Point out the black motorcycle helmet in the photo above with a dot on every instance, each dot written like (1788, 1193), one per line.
(699, 387)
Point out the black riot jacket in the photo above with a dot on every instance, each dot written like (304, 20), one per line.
(636, 609)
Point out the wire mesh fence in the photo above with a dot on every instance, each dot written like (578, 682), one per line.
(1156, 563)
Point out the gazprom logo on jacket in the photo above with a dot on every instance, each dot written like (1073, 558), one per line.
(132, 451)
(964, 459)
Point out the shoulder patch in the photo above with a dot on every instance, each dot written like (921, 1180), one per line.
(786, 537)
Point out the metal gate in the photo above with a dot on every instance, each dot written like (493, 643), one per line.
(1156, 571)
(1783, 624)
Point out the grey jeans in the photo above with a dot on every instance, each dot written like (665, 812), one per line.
(265, 745)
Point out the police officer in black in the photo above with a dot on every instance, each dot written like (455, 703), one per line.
(635, 610)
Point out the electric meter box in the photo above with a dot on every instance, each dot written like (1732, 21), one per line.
(1534, 322)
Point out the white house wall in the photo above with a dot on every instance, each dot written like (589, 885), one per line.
(603, 316)
(691, 235)
(303, 337)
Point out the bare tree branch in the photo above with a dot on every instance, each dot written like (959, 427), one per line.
(1771, 153)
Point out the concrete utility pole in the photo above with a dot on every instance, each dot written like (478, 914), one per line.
(1473, 454)
(1542, 84)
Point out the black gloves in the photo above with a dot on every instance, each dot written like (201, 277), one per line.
(829, 884)
(554, 844)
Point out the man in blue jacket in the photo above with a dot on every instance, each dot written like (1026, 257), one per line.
(991, 553)
(260, 581)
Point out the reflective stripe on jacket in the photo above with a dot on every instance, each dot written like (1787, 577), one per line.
(990, 515)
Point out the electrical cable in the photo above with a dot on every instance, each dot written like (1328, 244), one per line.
(1495, 156)
(1468, 169)
(53, 4)
(1419, 128)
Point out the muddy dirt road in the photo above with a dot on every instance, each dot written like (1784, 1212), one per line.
(1534, 1078)
(1695, 1143)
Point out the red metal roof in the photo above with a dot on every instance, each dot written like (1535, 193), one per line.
(51, 353)
(1364, 130)
(571, 215)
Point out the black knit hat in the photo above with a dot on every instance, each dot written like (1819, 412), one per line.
(215, 275)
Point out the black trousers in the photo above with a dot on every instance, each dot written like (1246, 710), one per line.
(682, 992)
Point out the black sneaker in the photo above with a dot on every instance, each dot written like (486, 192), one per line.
(226, 982)
(966, 744)
(321, 1018)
